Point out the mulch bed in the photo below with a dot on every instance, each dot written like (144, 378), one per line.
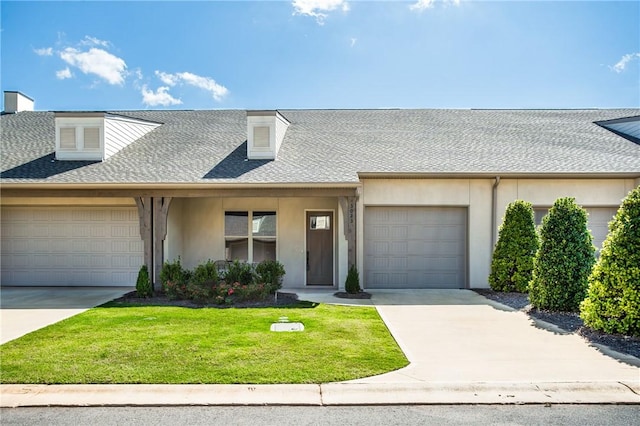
(359, 295)
(568, 321)
(159, 299)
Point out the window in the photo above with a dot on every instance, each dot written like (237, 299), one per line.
(317, 223)
(261, 136)
(67, 138)
(91, 138)
(253, 243)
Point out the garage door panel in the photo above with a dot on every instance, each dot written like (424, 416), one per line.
(426, 250)
(70, 246)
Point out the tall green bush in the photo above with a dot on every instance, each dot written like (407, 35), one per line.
(512, 262)
(352, 283)
(564, 260)
(613, 300)
(143, 283)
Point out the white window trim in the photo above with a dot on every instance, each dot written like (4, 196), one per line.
(80, 152)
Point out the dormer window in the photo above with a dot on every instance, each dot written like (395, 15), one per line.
(96, 135)
(265, 133)
(261, 136)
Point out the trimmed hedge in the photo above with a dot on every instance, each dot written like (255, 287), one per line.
(564, 260)
(613, 301)
(512, 262)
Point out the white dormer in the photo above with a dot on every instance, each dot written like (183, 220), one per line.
(265, 133)
(96, 135)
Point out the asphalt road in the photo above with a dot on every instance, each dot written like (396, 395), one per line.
(565, 415)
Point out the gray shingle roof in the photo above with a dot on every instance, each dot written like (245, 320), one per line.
(331, 146)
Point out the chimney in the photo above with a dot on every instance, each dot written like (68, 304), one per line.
(16, 102)
(265, 133)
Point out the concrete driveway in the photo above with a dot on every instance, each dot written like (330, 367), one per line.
(460, 336)
(25, 309)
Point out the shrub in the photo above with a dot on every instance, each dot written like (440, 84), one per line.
(613, 300)
(174, 279)
(143, 283)
(564, 260)
(352, 284)
(270, 272)
(512, 262)
(201, 286)
(241, 272)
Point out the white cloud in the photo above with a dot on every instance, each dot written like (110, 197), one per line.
(159, 97)
(318, 8)
(96, 61)
(422, 5)
(622, 63)
(206, 83)
(64, 74)
(167, 78)
(92, 41)
(354, 41)
(45, 51)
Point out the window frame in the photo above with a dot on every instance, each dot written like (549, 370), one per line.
(251, 234)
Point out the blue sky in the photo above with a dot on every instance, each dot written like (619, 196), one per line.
(322, 54)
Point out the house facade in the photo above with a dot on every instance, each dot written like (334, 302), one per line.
(413, 198)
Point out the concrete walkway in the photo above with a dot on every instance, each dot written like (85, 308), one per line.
(26, 309)
(462, 348)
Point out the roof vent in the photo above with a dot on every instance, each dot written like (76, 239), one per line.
(265, 133)
(16, 102)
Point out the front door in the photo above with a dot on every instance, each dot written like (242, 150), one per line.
(320, 248)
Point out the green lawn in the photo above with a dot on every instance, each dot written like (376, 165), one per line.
(150, 344)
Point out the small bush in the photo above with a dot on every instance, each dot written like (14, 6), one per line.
(143, 283)
(240, 272)
(201, 286)
(565, 258)
(174, 279)
(270, 272)
(512, 262)
(613, 300)
(352, 284)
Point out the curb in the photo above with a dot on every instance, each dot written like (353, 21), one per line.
(330, 394)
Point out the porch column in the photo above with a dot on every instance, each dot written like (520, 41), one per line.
(160, 210)
(146, 231)
(348, 206)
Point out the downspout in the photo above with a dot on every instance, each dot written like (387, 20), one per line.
(494, 212)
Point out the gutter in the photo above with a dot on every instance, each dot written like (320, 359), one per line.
(494, 212)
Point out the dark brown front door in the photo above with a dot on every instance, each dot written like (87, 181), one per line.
(320, 248)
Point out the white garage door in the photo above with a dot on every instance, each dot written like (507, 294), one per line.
(415, 247)
(62, 246)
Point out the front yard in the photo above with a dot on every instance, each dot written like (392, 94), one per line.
(120, 343)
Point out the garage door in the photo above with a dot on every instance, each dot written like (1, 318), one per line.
(70, 246)
(415, 247)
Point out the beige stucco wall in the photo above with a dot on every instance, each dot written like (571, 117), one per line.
(196, 231)
(476, 195)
